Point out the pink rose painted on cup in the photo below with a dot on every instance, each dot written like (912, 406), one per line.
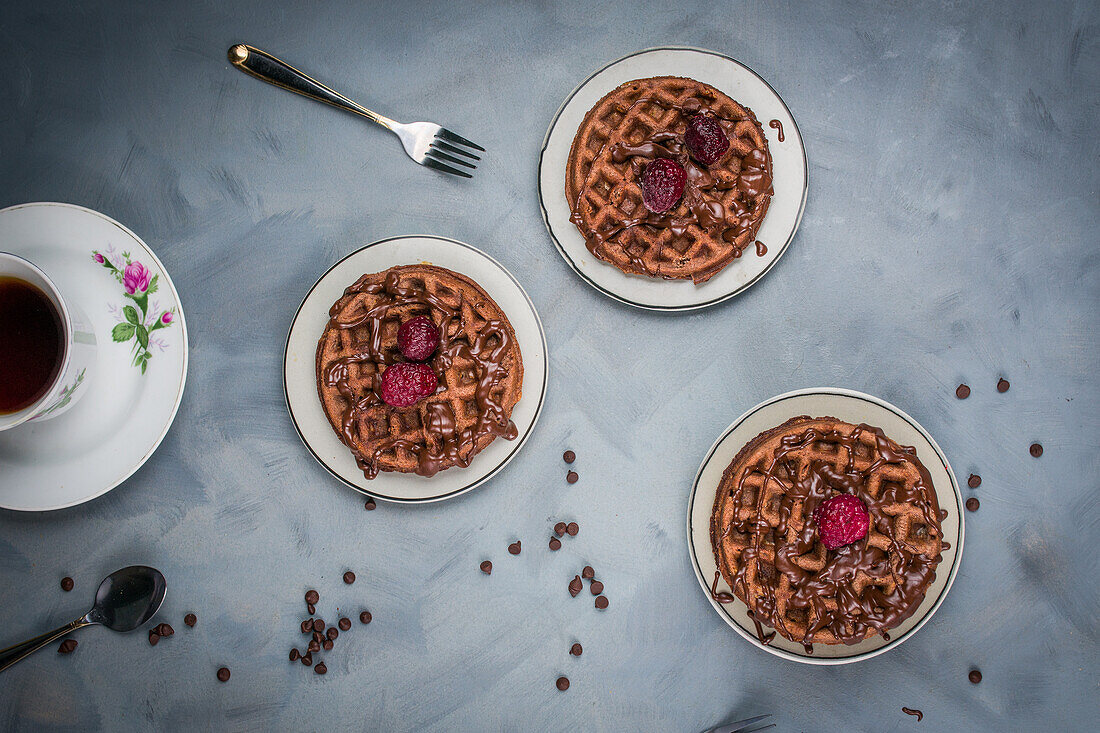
(98, 257)
(166, 318)
(135, 278)
(136, 321)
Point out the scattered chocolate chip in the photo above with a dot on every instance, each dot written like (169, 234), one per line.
(588, 573)
(67, 584)
(311, 609)
(975, 676)
(68, 646)
(307, 658)
(601, 602)
(1036, 450)
(597, 587)
(575, 586)
(365, 617)
(307, 626)
(318, 625)
(569, 456)
(962, 392)
(369, 505)
(190, 619)
(223, 674)
(318, 637)
(312, 597)
(562, 683)
(974, 481)
(555, 543)
(314, 646)
(972, 504)
(344, 623)
(486, 567)
(320, 668)
(327, 645)
(295, 655)
(559, 529)
(575, 650)
(1002, 385)
(165, 630)
(154, 637)
(349, 577)
(573, 528)
(572, 477)
(332, 633)
(514, 548)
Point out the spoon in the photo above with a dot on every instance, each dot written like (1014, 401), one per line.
(126, 599)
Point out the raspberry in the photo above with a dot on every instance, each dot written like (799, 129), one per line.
(841, 520)
(662, 184)
(705, 139)
(405, 384)
(418, 338)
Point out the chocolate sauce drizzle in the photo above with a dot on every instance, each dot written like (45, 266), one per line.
(761, 249)
(856, 614)
(777, 125)
(456, 446)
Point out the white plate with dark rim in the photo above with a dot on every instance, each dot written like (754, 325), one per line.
(789, 178)
(117, 425)
(850, 406)
(300, 375)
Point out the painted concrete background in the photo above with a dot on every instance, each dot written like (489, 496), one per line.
(950, 236)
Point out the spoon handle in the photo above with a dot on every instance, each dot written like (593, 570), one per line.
(17, 653)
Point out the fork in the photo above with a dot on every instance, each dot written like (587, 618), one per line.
(742, 726)
(426, 142)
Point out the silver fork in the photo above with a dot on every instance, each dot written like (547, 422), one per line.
(742, 726)
(426, 142)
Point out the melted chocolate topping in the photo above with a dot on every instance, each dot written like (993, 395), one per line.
(856, 614)
(761, 249)
(777, 125)
(456, 446)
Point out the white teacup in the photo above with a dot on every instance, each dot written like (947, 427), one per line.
(77, 342)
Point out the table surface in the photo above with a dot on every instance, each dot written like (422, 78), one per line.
(950, 236)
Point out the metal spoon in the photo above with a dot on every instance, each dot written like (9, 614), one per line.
(126, 599)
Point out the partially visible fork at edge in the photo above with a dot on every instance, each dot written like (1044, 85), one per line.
(426, 142)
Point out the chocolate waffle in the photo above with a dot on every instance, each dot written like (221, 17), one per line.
(722, 207)
(478, 364)
(766, 544)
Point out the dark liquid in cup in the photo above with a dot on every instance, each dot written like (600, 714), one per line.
(31, 346)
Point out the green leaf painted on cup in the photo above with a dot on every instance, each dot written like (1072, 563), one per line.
(123, 332)
(143, 337)
(131, 314)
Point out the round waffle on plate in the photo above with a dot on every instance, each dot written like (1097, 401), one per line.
(478, 364)
(723, 205)
(767, 547)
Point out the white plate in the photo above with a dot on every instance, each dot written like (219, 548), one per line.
(300, 377)
(113, 428)
(789, 178)
(853, 407)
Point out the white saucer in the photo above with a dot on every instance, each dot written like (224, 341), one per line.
(300, 376)
(788, 167)
(113, 428)
(853, 407)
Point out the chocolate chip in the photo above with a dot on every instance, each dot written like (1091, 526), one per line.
(975, 676)
(190, 619)
(327, 645)
(345, 624)
(320, 668)
(165, 630)
(318, 625)
(307, 626)
(573, 528)
(962, 392)
(972, 504)
(575, 650)
(555, 543)
(569, 456)
(318, 637)
(349, 577)
(332, 633)
(1002, 385)
(365, 617)
(572, 477)
(154, 637)
(559, 529)
(295, 655)
(514, 548)
(597, 587)
(307, 659)
(1036, 450)
(67, 584)
(369, 505)
(68, 646)
(311, 609)
(575, 586)
(223, 674)
(312, 597)
(562, 683)
(588, 572)
(314, 646)
(601, 602)
(974, 481)
(486, 567)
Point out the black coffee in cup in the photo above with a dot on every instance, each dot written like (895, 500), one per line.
(32, 344)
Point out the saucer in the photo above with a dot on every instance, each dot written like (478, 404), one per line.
(141, 362)
(300, 373)
(849, 406)
(789, 178)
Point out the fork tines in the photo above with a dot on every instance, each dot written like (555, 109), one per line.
(440, 152)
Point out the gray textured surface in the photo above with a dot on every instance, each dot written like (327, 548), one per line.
(950, 235)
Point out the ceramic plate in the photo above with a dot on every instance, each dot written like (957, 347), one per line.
(853, 407)
(127, 410)
(300, 376)
(788, 168)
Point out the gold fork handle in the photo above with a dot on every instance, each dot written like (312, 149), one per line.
(266, 67)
